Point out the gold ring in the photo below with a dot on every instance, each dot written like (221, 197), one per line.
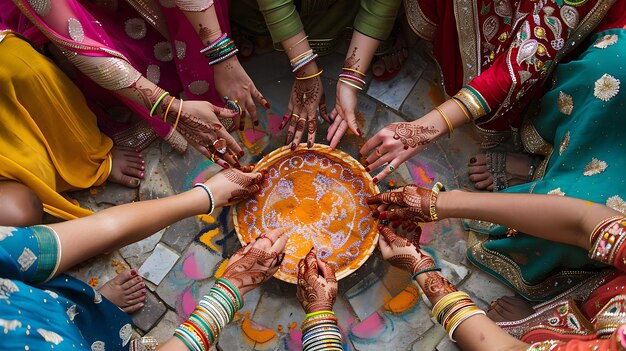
(295, 115)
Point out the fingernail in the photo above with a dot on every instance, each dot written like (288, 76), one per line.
(142, 168)
(256, 123)
(133, 272)
(359, 155)
(138, 279)
(375, 180)
(359, 132)
(144, 291)
(226, 166)
(380, 227)
(309, 144)
(472, 160)
(143, 162)
(293, 146)
(237, 165)
(383, 216)
(241, 153)
(267, 105)
(367, 169)
(375, 214)
(141, 285)
(141, 175)
(366, 163)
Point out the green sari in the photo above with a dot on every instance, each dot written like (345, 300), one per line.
(579, 129)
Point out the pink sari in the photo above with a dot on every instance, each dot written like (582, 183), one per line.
(154, 37)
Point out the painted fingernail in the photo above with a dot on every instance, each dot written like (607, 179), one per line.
(375, 180)
(472, 160)
(226, 166)
(241, 153)
(256, 123)
(309, 144)
(133, 272)
(141, 175)
(141, 285)
(293, 146)
(359, 132)
(367, 169)
(383, 216)
(375, 213)
(142, 162)
(380, 227)
(237, 165)
(359, 155)
(366, 163)
(138, 279)
(267, 105)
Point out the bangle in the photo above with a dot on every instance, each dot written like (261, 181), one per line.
(312, 75)
(350, 84)
(352, 77)
(158, 101)
(450, 128)
(180, 109)
(299, 41)
(463, 108)
(208, 192)
(307, 53)
(473, 312)
(167, 110)
(431, 269)
(354, 70)
(595, 233)
(432, 206)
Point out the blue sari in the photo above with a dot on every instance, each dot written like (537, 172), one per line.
(580, 129)
(58, 314)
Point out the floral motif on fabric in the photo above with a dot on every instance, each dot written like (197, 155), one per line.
(97, 296)
(565, 103)
(170, 4)
(199, 87)
(50, 336)
(153, 73)
(52, 294)
(26, 259)
(163, 51)
(71, 312)
(564, 143)
(544, 345)
(10, 324)
(6, 232)
(606, 41)
(181, 49)
(606, 87)
(75, 29)
(617, 203)
(594, 167)
(7, 287)
(556, 191)
(136, 28)
(126, 332)
(41, 7)
(98, 346)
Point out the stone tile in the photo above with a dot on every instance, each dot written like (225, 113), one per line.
(396, 280)
(155, 184)
(136, 253)
(172, 288)
(447, 345)
(274, 310)
(165, 327)
(114, 194)
(183, 171)
(484, 287)
(99, 269)
(232, 338)
(150, 314)
(367, 296)
(453, 272)
(393, 92)
(180, 234)
(158, 264)
(430, 339)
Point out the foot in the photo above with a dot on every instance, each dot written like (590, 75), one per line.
(128, 167)
(517, 170)
(509, 308)
(127, 291)
(387, 66)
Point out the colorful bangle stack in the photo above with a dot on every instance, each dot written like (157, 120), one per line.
(320, 332)
(473, 101)
(607, 239)
(157, 102)
(353, 78)
(220, 50)
(213, 312)
(453, 309)
(298, 62)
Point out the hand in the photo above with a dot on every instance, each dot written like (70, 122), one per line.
(306, 96)
(199, 124)
(254, 264)
(345, 109)
(395, 144)
(317, 285)
(409, 203)
(231, 80)
(402, 253)
(232, 185)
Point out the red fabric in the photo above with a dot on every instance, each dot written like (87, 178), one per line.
(596, 301)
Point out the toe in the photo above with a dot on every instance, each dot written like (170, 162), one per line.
(131, 298)
(133, 172)
(484, 184)
(478, 177)
(131, 282)
(477, 169)
(135, 287)
(133, 308)
(378, 68)
(130, 182)
(123, 277)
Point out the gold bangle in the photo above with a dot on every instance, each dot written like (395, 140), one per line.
(353, 70)
(463, 108)
(167, 110)
(447, 300)
(311, 76)
(180, 109)
(353, 85)
(432, 205)
(450, 128)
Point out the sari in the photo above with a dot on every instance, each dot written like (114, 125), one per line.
(495, 55)
(49, 141)
(62, 313)
(137, 38)
(579, 130)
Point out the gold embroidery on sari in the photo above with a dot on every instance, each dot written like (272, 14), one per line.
(565, 103)
(151, 12)
(199, 87)
(420, 24)
(110, 73)
(181, 49)
(564, 143)
(535, 144)
(135, 28)
(617, 203)
(490, 138)
(594, 167)
(153, 73)
(466, 15)
(163, 51)
(557, 192)
(606, 41)
(606, 87)
(41, 7)
(75, 29)
(611, 316)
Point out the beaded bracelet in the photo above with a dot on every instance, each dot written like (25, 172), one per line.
(209, 193)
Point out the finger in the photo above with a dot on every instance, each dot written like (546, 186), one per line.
(230, 141)
(311, 128)
(351, 119)
(299, 129)
(283, 123)
(324, 109)
(229, 158)
(370, 144)
(326, 270)
(310, 260)
(386, 158)
(384, 246)
(397, 214)
(332, 129)
(293, 120)
(251, 108)
(281, 243)
(333, 114)
(301, 269)
(224, 112)
(274, 235)
(387, 233)
(378, 153)
(383, 198)
(341, 130)
(261, 99)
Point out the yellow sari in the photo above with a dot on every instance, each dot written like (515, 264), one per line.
(49, 138)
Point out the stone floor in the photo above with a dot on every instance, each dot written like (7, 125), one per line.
(377, 305)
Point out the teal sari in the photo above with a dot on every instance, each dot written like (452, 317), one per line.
(579, 128)
(59, 314)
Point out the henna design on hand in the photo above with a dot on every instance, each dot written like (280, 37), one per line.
(248, 270)
(249, 184)
(412, 200)
(352, 61)
(307, 91)
(436, 286)
(315, 292)
(411, 135)
(147, 96)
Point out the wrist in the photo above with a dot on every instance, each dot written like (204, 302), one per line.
(444, 202)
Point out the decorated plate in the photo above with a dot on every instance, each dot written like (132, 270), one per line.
(318, 196)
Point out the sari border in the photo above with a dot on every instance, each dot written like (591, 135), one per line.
(421, 25)
(500, 266)
(465, 13)
(534, 143)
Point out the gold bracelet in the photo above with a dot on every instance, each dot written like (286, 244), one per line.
(353, 85)
(432, 205)
(167, 110)
(311, 76)
(463, 108)
(445, 301)
(353, 70)
(180, 109)
(450, 128)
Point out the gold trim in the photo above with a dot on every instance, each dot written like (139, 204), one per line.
(419, 23)
(491, 138)
(466, 15)
(535, 144)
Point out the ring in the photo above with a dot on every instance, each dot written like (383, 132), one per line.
(233, 105)
(297, 116)
(391, 168)
(377, 152)
(213, 156)
(220, 145)
(266, 237)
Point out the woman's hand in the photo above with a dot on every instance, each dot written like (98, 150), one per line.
(395, 144)
(199, 124)
(254, 264)
(409, 203)
(231, 80)
(232, 185)
(402, 253)
(307, 95)
(317, 285)
(345, 109)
